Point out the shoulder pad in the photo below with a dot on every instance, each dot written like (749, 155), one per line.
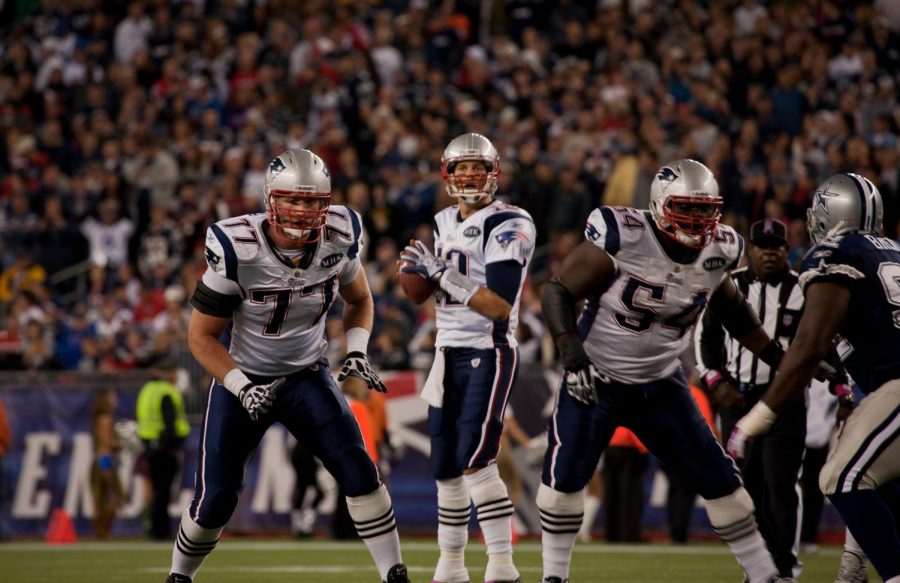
(343, 229)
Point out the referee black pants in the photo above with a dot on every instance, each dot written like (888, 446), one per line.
(770, 470)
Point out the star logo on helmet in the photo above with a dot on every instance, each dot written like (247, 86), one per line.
(822, 200)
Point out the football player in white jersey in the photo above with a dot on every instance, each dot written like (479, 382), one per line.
(646, 276)
(482, 251)
(270, 280)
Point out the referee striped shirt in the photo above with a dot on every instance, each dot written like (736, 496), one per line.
(779, 304)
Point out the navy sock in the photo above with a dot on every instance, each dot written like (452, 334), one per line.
(890, 493)
(870, 520)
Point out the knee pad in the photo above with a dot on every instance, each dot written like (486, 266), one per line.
(561, 512)
(489, 493)
(732, 516)
(454, 505)
(372, 514)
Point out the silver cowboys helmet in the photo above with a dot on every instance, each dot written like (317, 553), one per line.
(297, 194)
(685, 202)
(844, 203)
(471, 187)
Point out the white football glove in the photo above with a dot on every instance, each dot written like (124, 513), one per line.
(581, 386)
(357, 364)
(422, 261)
(258, 399)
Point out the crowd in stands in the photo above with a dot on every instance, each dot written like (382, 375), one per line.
(129, 127)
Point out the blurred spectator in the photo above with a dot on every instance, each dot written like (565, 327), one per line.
(106, 488)
(625, 461)
(162, 426)
(5, 444)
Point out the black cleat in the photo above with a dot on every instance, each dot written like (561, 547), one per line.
(553, 580)
(176, 578)
(397, 574)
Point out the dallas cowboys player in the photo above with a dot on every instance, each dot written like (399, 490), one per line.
(851, 278)
(273, 277)
(482, 250)
(647, 275)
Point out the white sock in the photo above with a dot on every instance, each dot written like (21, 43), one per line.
(851, 545)
(494, 509)
(591, 507)
(192, 544)
(556, 549)
(732, 519)
(454, 512)
(561, 516)
(373, 516)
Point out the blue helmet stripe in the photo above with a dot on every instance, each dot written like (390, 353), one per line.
(864, 204)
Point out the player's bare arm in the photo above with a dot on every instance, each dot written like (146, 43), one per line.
(826, 308)
(359, 312)
(203, 340)
(359, 308)
(731, 308)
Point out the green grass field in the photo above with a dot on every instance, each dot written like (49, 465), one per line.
(283, 561)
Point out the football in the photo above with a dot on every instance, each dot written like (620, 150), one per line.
(417, 288)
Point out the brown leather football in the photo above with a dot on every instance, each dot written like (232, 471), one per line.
(417, 288)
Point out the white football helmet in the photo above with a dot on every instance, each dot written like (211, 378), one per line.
(685, 202)
(471, 187)
(297, 194)
(844, 203)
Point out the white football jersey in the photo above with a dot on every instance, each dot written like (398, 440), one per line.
(636, 329)
(279, 326)
(497, 232)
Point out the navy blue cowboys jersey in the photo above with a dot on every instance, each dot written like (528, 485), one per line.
(870, 267)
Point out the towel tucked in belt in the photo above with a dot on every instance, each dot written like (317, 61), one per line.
(433, 391)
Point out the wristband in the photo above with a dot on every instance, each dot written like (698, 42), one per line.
(104, 462)
(842, 390)
(357, 340)
(758, 420)
(236, 381)
(712, 377)
(460, 287)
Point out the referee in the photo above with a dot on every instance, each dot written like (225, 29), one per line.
(736, 379)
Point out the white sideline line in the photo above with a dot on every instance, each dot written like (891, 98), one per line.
(334, 569)
(236, 545)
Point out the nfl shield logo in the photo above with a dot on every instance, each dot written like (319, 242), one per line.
(476, 362)
(787, 319)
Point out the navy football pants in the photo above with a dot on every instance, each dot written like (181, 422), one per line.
(465, 432)
(311, 407)
(662, 414)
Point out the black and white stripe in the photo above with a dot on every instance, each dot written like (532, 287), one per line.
(454, 516)
(377, 526)
(192, 548)
(499, 508)
(778, 306)
(560, 523)
(737, 530)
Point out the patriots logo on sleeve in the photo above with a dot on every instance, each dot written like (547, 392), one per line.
(211, 257)
(507, 237)
(592, 232)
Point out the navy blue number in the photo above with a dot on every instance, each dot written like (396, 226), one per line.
(686, 318)
(640, 318)
(282, 300)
